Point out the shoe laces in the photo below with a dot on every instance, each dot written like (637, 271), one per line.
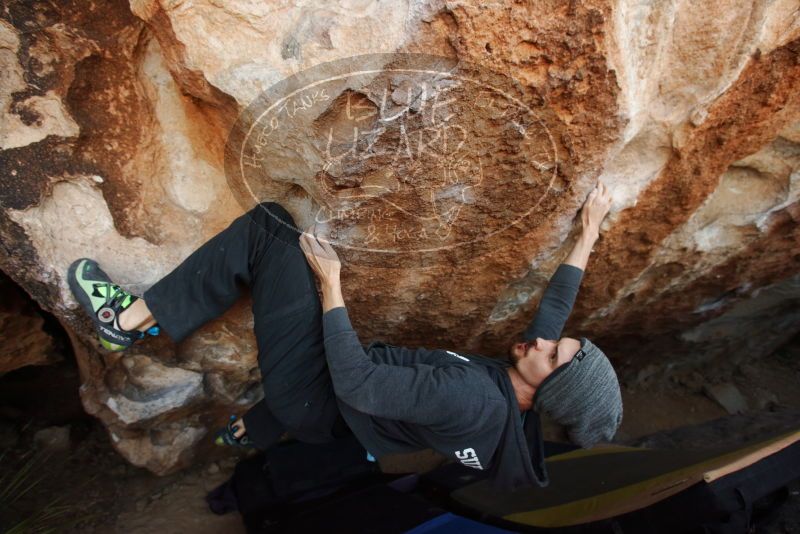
(119, 294)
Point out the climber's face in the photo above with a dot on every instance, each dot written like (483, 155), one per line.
(537, 358)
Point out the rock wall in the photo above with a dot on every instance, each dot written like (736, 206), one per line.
(116, 118)
(23, 339)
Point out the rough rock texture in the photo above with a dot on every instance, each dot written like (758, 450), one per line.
(115, 118)
(23, 340)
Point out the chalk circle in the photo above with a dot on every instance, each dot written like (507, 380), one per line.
(396, 153)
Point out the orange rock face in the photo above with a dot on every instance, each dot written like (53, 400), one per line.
(133, 132)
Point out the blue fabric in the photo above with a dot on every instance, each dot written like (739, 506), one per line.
(454, 524)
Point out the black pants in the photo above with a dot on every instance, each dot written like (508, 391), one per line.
(260, 249)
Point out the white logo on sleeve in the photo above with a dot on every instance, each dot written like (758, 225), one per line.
(451, 353)
(469, 458)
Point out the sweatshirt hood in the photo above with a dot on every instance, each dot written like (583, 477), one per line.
(519, 458)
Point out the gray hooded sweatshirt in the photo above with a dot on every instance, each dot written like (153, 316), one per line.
(399, 400)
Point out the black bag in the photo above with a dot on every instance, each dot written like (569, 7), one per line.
(269, 487)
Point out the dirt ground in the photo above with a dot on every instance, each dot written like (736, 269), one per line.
(99, 492)
(102, 493)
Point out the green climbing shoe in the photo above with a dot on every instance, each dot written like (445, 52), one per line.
(103, 301)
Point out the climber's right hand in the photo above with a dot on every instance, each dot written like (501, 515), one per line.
(321, 257)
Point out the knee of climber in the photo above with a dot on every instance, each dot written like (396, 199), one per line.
(305, 420)
(275, 219)
(274, 211)
(289, 414)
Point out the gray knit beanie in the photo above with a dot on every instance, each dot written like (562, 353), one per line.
(583, 396)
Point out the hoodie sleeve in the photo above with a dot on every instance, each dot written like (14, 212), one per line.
(556, 304)
(418, 393)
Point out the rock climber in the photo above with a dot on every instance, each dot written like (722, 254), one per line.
(320, 383)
